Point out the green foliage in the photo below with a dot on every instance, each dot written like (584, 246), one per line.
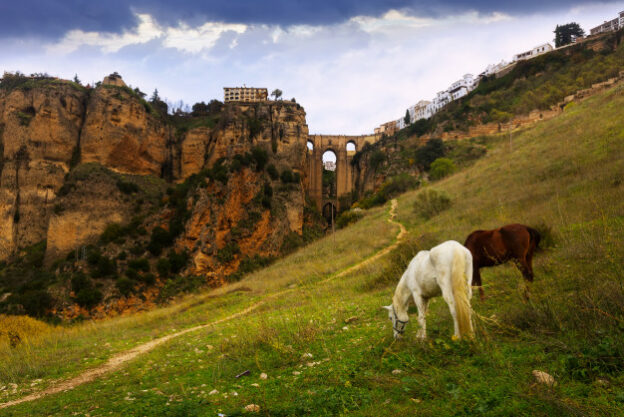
(392, 187)
(163, 267)
(140, 264)
(348, 217)
(127, 187)
(267, 195)
(431, 202)
(86, 295)
(248, 265)
(114, 232)
(180, 285)
(24, 117)
(177, 261)
(292, 241)
(260, 157)
(227, 253)
(566, 34)
(287, 176)
(425, 155)
(104, 267)
(125, 286)
(272, 171)
(159, 239)
(441, 168)
(376, 159)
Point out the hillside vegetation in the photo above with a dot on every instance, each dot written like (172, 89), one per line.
(327, 347)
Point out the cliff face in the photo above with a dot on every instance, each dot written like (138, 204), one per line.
(232, 217)
(121, 133)
(39, 133)
(68, 153)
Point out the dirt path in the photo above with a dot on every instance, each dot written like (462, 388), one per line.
(117, 361)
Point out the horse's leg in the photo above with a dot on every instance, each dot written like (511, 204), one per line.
(422, 304)
(476, 281)
(447, 293)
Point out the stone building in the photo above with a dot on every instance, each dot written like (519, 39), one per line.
(245, 94)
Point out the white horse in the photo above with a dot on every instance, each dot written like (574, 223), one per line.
(445, 269)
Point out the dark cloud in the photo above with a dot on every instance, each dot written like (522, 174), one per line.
(53, 18)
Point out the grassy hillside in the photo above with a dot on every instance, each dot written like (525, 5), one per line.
(327, 347)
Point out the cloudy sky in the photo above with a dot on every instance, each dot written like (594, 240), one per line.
(352, 64)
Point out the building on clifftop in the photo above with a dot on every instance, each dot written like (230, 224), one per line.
(246, 94)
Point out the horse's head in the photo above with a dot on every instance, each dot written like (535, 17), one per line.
(398, 326)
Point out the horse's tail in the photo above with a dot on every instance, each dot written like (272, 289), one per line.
(535, 237)
(460, 284)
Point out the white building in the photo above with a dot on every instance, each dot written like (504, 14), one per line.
(538, 50)
(494, 69)
(462, 87)
(420, 110)
(609, 25)
(329, 165)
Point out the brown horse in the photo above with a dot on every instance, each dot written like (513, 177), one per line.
(495, 247)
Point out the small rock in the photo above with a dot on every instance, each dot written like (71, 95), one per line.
(306, 355)
(296, 373)
(255, 385)
(396, 371)
(213, 392)
(350, 319)
(544, 378)
(253, 408)
(345, 328)
(416, 400)
(263, 376)
(602, 382)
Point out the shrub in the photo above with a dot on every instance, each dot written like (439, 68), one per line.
(441, 168)
(132, 274)
(376, 159)
(226, 254)
(35, 302)
(177, 261)
(272, 171)
(122, 255)
(140, 264)
(160, 239)
(433, 149)
(127, 187)
(348, 217)
(249, 264)
(163, 266)
(291, 242)
(287, 176)
(88, 297)
(112, 233)
(260, 157)
(178, 285)
(79, 281)
(103, 268)
(267, 194)
(431, 202)
(125, 286)
(148, 279)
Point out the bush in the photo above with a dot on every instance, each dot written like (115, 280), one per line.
(260, 157)
(163, 266)
(127, 187)
(226, 254)
(35, 302)
(104, 268)
(79, 281)
(425, 155)
(376, 159)
(431, 202)
(88, 297)
(249, 264)
(112, 233)
(160, 239)
(148, 279)
(177, 261)
(287, 176)
(125, 286)
(140, 264)
(178, 285)
(441, 168)
(291, 242)
(348, 217)
(272, 171)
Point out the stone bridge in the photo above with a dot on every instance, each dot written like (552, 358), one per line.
(344, 147)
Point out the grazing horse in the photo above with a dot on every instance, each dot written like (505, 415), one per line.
(445, 269)
(494, 247)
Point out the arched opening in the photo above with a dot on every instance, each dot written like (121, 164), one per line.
(329, 174)
(329, 160)
(329, 213)
(310, 145)
(351, 147)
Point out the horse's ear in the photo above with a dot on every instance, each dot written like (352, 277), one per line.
(389, 308)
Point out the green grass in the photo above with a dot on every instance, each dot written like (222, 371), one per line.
(564, 175)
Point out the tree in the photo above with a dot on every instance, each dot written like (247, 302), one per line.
(277, 93)
(77, 80)
(155, 97)
(407, 118)
(566, 34)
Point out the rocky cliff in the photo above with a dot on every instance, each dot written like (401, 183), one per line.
(226, 187)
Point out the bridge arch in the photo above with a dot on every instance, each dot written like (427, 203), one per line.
(310, 146)
(344, 148)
